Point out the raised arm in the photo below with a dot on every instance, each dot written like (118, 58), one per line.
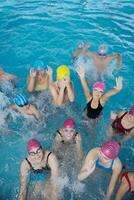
(49, 72)
(88, 53)
(54, 93)
(10, 76)
(57, 140)
(36, 113)
(31, 80)
(79, 147)
(23, 179)
(81, 50)
(114, 91)
(53, 163)
(81, 72)
(89, 165)
(116, 171)
(60, 97)
(7, 76)
(70, 89)
(116, 56)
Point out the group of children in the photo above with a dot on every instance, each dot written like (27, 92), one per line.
(40, 163)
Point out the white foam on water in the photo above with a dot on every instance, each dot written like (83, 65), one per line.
(78, 187)
(4, 100)
(91, 72)
(7, 87)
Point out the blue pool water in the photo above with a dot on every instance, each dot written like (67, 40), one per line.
(50, 30)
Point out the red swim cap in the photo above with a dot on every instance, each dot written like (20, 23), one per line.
(110, 149)
(69, 123)
(33, 144)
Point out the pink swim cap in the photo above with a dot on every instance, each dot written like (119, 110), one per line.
(33, 144)
(110, 149)
(69, 123)
(131, 111)
(100, 86)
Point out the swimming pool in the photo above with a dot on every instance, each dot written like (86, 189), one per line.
(49, 30)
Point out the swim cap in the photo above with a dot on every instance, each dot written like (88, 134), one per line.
(20, 100)
(33, 144)
(62, 71)
(69, 123)
(100, 86)
(131, 111)
(39, 64)
(102, 51)
(110, 149)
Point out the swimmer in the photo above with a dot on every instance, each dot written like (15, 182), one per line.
(38, 166)
(104, 158)
(127, 184)
(39, 78)
(24, 107)
(6, 76)
(97, 99)
(101, 59)
(68, 134)
(62, 90)
(122, 124)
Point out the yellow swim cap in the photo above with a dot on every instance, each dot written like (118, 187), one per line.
(62, 71)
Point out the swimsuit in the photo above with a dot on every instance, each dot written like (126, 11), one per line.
(125, 175)
(38, 174)
(117, 126)
(100, 166)
(93, 113)
(62, 136)
(40, 87)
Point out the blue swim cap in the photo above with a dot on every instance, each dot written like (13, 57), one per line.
(20, 100)
(38, 64)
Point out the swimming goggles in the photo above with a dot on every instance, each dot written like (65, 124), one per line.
(32, 153)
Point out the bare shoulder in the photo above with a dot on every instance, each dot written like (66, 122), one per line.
(78, 133)
(121, 113)
(52, 160)
(117, 165)
(50, 153)
(93, 153)
(58, 136)
(24, 166)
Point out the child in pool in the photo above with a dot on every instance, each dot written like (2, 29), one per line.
(62, 89)
(97, 99)
(24, 107)
(38, 166)
(122, 124)
(106, 159)
(39, 78)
